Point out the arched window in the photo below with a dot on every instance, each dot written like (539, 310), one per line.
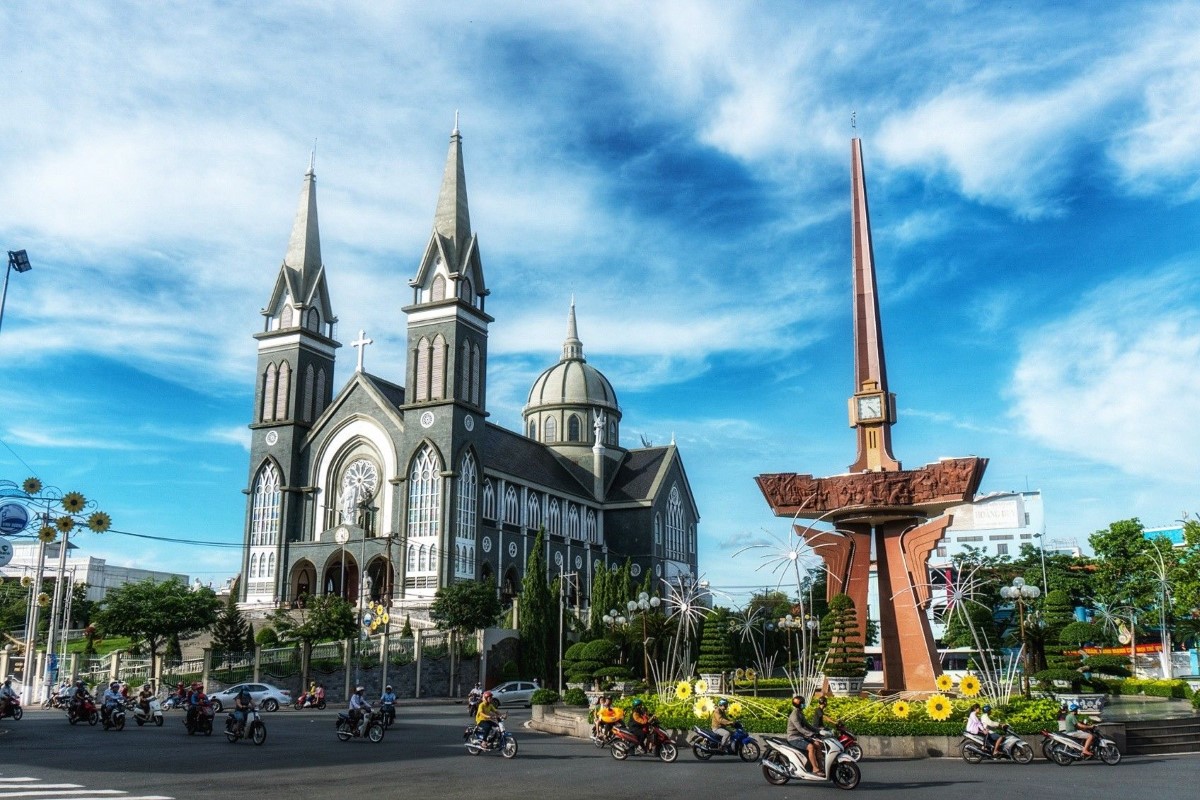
(438, 290)
(286, 314)
(612, 433)
(553, 518)
(264, 513)
(433, 562)
(412, 558)
(551, 430)
(691, 538)
(313, 320)
(573, 522)
(319, 403)
(422, 559)
(271, 566)
(422, 369)
(270, 378)
(675, 523)
(512, 509)
(476, 390)
(467, 483)
(464, 371)
(533, 510)
(466, 291)
(424, 494)
(657, 528)
(489, 500)
(533, 429)
(589, 530)
(572, 428)
(437, 383)
(309, 384)
(283, 391)
(254, 566)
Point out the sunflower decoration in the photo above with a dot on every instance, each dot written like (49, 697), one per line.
(683, 690)
(703, 707)
(47, 534)
(74, 502)
(944, 682)
(750, 673)
(739, 674)
(969, 686)
(99, 522)
(702, 686)
(43, 599)
(735, 709)
(31, 486)
(938, 707)
(65, 524)
(900, 709)
(26, 582)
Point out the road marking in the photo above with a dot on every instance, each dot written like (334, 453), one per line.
(34, 788)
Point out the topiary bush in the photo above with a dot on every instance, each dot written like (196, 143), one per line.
(575, 697)
(843, 640)
(544, 697)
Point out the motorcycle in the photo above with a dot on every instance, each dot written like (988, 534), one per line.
(1065, 749)
(706, 744)
(309, 701)
(473, 701)
(115, 718)
(975, 747)
(372, 729)
(84, 710)
(173, 701)
(201, 721)
(14, 709)
(253, 728)
(155, 715)
(57, 700)
(848, 742)
(389, 714)
(782, 762)
(500, 740)
(603, 737)
(626, 743)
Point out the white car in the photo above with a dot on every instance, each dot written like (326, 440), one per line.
(514, 693)
(263, 695)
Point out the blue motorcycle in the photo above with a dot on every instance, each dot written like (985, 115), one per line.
(706, 744)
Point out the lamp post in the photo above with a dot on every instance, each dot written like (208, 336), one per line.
(1020, 593)
(1041, 537)
(789, 624)
(18, 260)
(644, 604)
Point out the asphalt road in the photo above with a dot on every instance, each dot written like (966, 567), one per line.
(423, 755)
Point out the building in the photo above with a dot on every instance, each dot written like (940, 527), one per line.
(1172, 533)
(405, 480)
(97, 573)
(995, 525)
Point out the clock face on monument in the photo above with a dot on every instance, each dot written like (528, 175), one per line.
(870, 408)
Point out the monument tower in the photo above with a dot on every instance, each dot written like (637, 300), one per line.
(878, 508)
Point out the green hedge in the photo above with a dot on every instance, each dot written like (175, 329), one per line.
(866, 717)
(544, 697)
(1177, 689)
(1196, 701)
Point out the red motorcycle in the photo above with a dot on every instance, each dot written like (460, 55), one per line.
(14, 709)
(626, 743)
(83, 710)
(849, 744)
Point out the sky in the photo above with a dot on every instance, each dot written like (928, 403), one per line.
(681, 169)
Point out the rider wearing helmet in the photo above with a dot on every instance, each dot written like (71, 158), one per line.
(486, 716)
(360, 708)
(720, 722)
(802, 735)
(195, 700)
(7, 696)
(1080, 730)
(642, 722)
(111, 699)
(387, 704)
(991, 729)
(144, 698)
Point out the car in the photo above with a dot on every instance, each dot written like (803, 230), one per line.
(514, 693)
(264, 695)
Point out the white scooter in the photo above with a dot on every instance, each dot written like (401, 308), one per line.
(781, 762)
(154, 715)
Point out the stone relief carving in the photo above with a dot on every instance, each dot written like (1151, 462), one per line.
(951, 479)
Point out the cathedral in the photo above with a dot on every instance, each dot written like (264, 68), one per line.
(383, 491)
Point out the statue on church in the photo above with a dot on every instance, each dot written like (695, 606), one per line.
(598, 425)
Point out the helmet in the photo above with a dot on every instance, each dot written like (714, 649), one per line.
(113, 685)
(798, 701)
(79, 684)
(388, 688)
(197, 685)
(722, 702)
(359, 689)
(987, 709)
(487, 695)
(637, 702)
(1073, 707)
(822, 700)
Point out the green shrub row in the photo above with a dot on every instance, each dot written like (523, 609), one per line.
(1178, 689)
(543, 697)
(1196, 701)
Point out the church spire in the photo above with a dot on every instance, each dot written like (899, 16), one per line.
(872, 409)
(452, 220)
(304, 246)
(572, 347)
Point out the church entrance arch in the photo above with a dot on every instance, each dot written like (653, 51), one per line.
(380, 579)
(339, 581)
(511, 587)
(486, 575)
(303, 582)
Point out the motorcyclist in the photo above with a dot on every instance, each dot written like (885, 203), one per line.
(8, 696)
(1080, 730)
(486, 716)
(242, 704)
(720, 722)
(360, 709)
(643, 721)
(309, 697)
(607, 715)
(111, 699)
(387, 703)
(473, 698)
(143, 699)
(79, 696)
(801, 735)
(196, 699)
(992, 730)
(181, 695)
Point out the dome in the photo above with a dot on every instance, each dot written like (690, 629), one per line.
(572, 382)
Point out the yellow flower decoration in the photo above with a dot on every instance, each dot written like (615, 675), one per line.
(31, 486)
(735, 708)
(701, 686)
(65, 524)
(938, 708)
(750, 673)
(383, 619)
(739, 674)
(703, 707)
(945, 683)
(900, 709)
(969, 686)
(683, 690)
(99, 522)
(27, 581)
(73, 502)
(47, 534)
(43, 599)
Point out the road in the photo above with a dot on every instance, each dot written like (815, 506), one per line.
(423, 756)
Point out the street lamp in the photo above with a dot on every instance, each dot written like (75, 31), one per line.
(644, 604)
(1041, 537)
(1020, 593)
(18, 260)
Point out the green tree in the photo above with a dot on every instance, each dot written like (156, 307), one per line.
(230, 631)
(324, 618)
(407, 632)
(716, 643)
(842, 640)
(1121, 562)
(537, 622)
(465, 606)
(157, 612)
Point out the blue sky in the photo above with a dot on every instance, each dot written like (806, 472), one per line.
(681, 168)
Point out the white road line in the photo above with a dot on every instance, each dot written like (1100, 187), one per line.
(61, 792)
(17, 780)
(7, 791)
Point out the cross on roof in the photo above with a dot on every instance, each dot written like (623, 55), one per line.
(361, 343)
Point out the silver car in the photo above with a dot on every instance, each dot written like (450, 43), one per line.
(514, 693)
(264, 695)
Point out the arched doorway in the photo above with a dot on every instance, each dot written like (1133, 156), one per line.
(486, 575)
(303, 583)
(339, 581)
(511, 587)
(380, 580)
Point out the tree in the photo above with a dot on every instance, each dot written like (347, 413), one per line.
(157, 612)
(716, 643)
(1121, 563)
(537, 622)
(323, 618)
(843, 640)
(231, 630)
(407, 632)
(465, 606)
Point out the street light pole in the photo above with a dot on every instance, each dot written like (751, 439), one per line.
(18, 260)
(1020, 592)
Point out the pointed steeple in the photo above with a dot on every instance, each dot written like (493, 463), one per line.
(304, 246)
(452, 220)
(572, 347)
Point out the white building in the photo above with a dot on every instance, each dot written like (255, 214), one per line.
(97, 573)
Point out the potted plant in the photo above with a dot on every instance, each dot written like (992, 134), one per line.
(845, 661)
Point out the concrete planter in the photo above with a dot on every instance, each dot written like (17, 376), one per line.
(1088, 703)
(844, 687)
